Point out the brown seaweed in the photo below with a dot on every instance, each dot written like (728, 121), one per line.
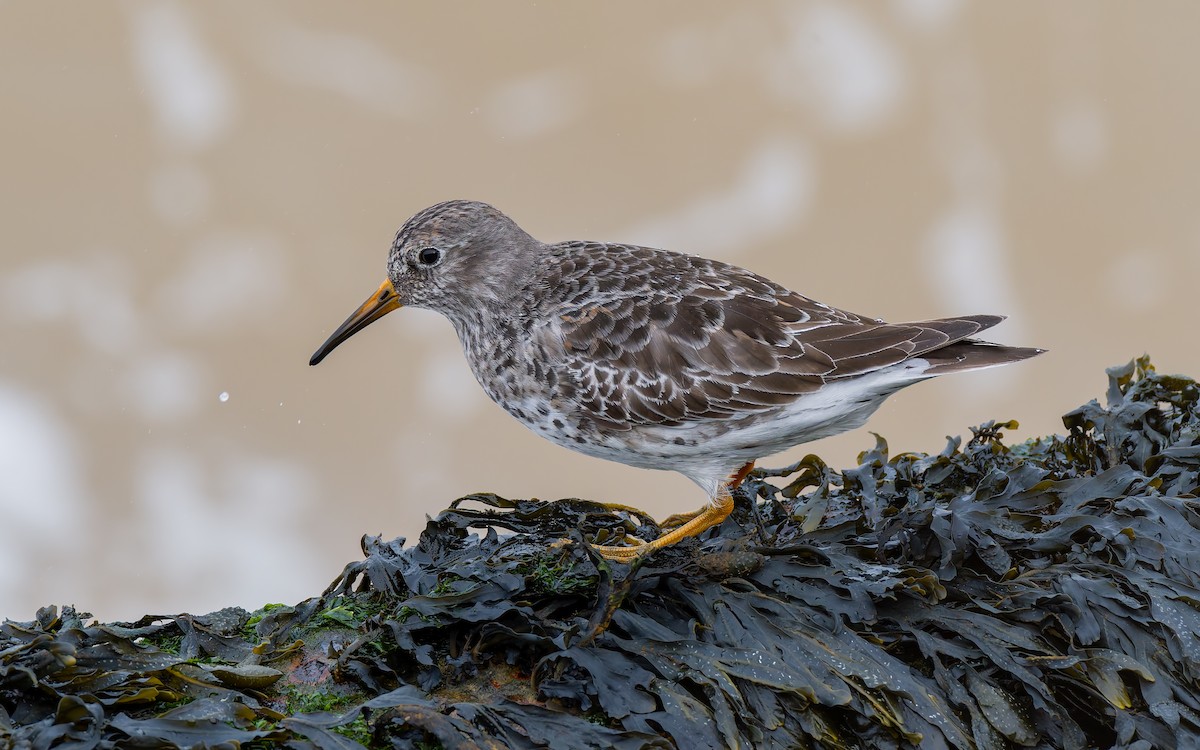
(1044, 594)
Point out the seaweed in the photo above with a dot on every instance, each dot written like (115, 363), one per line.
(1043, 594)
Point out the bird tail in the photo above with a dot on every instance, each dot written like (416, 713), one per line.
(961, 353)
(973, 354)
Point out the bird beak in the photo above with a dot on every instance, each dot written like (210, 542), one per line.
(377, 305)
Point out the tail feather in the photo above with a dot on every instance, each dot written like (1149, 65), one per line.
(973, 354)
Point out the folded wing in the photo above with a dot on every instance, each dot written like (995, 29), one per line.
(649, 337)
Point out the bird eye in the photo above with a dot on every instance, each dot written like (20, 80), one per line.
(429, 255)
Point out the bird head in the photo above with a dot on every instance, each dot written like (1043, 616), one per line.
(457, 258)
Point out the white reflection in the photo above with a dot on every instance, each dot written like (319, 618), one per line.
(353, 67)
(927, 15)
(93, 292)
(164, 386)
(206, 526)
(225, 280)
(535, 104)
(1079, 134)
(35, 292)
(189, 91)
(180, 194)
(838, 59)
(966, 260)
(772, 193)
(41, 498)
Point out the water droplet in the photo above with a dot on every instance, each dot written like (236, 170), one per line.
(224, 396)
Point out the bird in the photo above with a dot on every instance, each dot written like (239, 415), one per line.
(654, 358)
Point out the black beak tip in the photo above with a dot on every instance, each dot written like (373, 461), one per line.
(319, 355)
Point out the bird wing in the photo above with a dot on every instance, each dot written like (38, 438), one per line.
(639, 336)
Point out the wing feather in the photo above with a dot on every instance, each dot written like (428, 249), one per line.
(650, 337)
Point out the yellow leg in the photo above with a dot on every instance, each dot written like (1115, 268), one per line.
(684, 525)
(676, 520)
(735, 479)
(705, 519)
(619, 507)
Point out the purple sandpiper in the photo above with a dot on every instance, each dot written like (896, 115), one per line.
(653, 358)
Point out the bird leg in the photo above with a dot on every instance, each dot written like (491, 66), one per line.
(711, 515)
(735, 479)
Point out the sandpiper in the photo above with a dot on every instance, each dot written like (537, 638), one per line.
(654, 358)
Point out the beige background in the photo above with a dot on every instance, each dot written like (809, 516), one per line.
(194, 194)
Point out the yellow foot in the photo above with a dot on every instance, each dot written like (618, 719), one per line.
(619, 507)
(635, 544)
(681, 519)
(700, 521)
(683, 525)
(622, 554)
(676, 520)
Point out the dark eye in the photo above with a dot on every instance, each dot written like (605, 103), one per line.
(429, 255)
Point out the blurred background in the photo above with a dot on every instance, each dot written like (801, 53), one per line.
(193, 195)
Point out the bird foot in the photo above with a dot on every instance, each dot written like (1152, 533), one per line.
(622, 554)
(622, 508)
(682, 525)
(698, 522)
(675, 520)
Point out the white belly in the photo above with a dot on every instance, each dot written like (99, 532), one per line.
(708, 451)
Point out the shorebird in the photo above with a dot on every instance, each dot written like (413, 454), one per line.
(654, 358)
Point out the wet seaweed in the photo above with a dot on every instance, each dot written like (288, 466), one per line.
(1043, 594)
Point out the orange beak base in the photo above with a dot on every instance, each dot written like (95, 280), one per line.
(382, 302)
